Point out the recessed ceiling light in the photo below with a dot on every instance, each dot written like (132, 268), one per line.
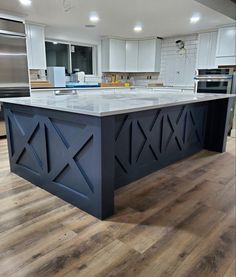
(194, 19)
(94, 18)
(138, 28)
(25, 2)
(55, 42)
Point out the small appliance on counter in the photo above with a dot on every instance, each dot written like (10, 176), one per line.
(78, 80)
(218, 80)
(14, 79)
(78, 76)
(56, 76)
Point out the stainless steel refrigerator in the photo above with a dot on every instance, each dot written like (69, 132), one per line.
(14, 77)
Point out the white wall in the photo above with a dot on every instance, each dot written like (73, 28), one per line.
(178, 69)
(70, 35)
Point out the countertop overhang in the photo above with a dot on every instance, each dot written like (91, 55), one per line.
(105, 103)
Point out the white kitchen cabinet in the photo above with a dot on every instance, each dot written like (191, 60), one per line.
(132, 51)
(113, 55)
(226, 46)
(149, 57)
(131, 55)
(158, 55)
(147, 52)
(36, 46)
(206, 53)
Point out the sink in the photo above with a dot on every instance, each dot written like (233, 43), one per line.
(65, 92)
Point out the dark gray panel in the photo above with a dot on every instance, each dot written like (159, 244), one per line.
(62, 153)
(147, 141)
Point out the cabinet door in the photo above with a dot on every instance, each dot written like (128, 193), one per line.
(29, 46)
(203, 50)
(131, 56)
(212, 51)
(226, 44)
(36, 47)
(158, 55)
(206, 54)
(117, 55)
(147, 55)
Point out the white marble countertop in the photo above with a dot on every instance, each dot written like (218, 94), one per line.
(104, 103)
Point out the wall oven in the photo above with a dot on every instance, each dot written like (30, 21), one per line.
(213, 80)
(220, 80)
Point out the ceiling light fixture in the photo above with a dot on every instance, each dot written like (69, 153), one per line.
(55, 42)
(138, 28)
(94, 18)
(194, 19)
(25, 2)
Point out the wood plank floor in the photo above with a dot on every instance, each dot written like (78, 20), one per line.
(179, 221)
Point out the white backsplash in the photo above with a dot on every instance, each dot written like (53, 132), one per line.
(37, 74)
(137, 79)
(177, 69)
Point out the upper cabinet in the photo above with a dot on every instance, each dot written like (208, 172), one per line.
(131, 55)
(36, 46)
(206, 54)
(113, 55)
(149, 55)
(226, 46)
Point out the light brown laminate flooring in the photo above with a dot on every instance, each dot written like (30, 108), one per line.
(179, 221)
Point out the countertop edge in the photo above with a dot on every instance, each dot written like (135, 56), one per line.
(118, 112)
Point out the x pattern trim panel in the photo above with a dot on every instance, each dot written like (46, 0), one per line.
(147, 141)
(55, 154)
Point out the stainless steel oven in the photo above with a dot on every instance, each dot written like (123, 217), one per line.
(14, 79)
(213, 81)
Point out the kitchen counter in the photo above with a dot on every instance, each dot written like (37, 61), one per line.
(113, 103)
(84, 147)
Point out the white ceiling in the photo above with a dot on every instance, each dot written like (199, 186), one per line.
(161, 18)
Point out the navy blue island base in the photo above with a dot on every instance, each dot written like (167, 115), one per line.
(83, 159)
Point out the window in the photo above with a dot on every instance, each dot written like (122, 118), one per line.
(72, 57)
(57, 54)
(82, 58)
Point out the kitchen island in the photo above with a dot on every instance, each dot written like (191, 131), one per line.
(84, 147)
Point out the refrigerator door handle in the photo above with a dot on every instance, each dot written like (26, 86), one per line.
(11, 34)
